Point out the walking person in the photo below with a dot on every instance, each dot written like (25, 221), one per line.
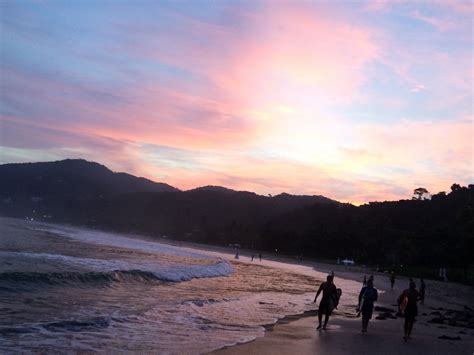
(407, 303)
(329, 290)
(422, 291)
(364, 283)
(392, 280)
(367, 296)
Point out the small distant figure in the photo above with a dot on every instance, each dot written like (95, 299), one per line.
(377, 268)
(338, 260)
(260, 256)
(407, 304)
(445, 275)
(326, 304)
(252, 256)
(332, 273)
(367, 296)
(371, 278)
(236, 255)
(392, 280)
(422, 291)
(364, 283)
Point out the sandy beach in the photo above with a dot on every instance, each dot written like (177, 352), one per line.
(298, 334)
(259, 307)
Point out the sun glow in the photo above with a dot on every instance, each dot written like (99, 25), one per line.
(272, 96)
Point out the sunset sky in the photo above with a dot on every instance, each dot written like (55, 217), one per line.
(357, 101)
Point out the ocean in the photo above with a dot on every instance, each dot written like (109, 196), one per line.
(66, 288)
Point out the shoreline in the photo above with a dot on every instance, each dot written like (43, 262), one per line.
(323, 265)
(298, 334)
(344, 337)
(291, 318)
(297, 331)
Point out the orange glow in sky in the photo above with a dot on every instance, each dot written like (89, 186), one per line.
(355, 101)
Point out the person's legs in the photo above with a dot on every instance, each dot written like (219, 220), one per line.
(365, 323)
(326, 312)
(323, 310)
(320, 315)
(410, 328)
(405, 329)
(326, 318)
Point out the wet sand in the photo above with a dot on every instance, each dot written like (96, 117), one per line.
(298, 334)
(344, 337)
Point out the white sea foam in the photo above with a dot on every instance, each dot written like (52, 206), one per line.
(119, 241)
(176, 317)
(165, 272)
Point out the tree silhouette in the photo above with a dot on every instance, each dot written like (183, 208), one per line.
(419, 192)
(455, 187)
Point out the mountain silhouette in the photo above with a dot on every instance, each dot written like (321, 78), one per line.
(87, 193)
(71, 177)
(425, 234)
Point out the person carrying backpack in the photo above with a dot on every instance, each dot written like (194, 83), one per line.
(367, 296)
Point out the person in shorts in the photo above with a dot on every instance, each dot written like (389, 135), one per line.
(329, 290)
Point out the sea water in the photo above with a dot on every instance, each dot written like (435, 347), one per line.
(65, 288)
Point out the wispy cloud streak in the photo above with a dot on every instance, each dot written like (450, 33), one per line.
(358, 103)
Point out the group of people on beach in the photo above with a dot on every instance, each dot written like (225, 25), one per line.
(407, 302)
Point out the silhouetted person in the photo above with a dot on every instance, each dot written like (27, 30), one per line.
(364, 283)
(367, 296)
(329, 290)
(392, 280)
(422, 291)
(408, 306)
(236, 255)
(260, 256)
(252, 256)
(445, 275)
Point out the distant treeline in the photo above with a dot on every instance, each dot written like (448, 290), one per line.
(422, 233)
(427, 233)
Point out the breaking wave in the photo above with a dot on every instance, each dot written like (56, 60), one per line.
(101, 270)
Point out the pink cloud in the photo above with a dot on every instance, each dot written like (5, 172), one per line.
(409, 151)
(284, 47)
(308, 62)
(256, 106)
